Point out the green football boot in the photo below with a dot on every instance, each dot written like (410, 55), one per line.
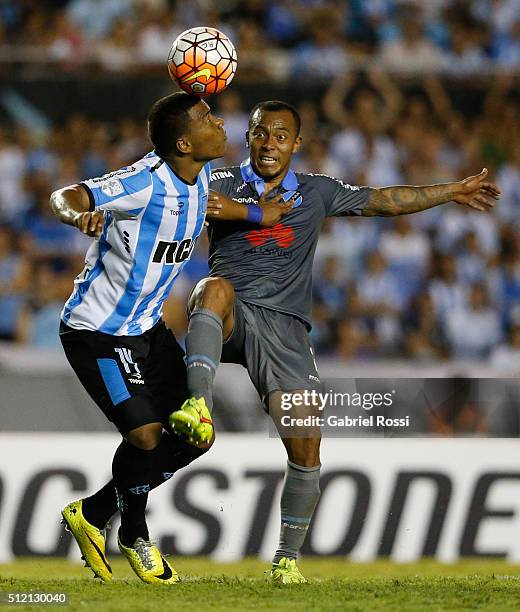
(193, 420)
(286, 572)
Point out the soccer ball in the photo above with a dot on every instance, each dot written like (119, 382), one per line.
(202, 61)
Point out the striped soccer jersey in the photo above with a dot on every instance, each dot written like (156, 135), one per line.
(152, 221)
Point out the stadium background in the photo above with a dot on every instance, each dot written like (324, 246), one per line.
(390, 92)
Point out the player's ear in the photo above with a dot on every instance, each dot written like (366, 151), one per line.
(183, 145)
(297, 144)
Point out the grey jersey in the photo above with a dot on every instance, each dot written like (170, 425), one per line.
(272, 267)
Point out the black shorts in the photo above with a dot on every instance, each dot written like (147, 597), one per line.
(274, 347)
(135, 380)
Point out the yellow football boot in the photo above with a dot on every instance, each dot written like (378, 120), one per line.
(193, 420)
(148, 563)
(90, 539)
(286, 572)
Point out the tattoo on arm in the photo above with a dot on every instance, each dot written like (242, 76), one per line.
(403, 200)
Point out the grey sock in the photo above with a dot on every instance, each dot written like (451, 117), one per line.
(300, 495)
(203, 351)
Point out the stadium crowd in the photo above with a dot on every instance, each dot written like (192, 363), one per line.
(437, 285)
(277, 37)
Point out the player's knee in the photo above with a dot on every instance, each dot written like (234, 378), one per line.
(146, 437)
(214, 293)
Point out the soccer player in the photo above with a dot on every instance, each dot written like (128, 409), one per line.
(258, 298)
(147, 218)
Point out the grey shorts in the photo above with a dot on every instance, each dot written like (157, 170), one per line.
(275, 348)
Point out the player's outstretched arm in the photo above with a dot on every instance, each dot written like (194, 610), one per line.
(72, 206)
(473, 191)
(266, 214)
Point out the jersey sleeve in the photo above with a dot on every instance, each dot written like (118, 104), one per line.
(128, 189)
(341, 199)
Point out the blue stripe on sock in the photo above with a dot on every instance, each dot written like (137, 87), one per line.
(114, 381)
(204, 358)
(295, 519)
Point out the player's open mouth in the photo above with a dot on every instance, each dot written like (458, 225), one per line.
(268, 161)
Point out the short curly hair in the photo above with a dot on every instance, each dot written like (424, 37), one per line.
(168, 120)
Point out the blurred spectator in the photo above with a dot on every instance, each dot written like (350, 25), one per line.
(506, 47)
(424, 339)
(315, 157)
(456, 221)
(377, 300)
(446, 292)
(474, 329)
(94, 160)
(116, 51)
(354, 341)
(467, 52)
(50, 239)
(363, 144)
(38, 322)
(284, 23)
(507, 356)
(410, 50)
(471, 261)
(66, 41)
(230, 108)
(323, 53)
(511, 285)
(407, 252)
(14, 282)
(349, 240)
(158, 29)
(96, 22)
(329, 288)
(12, 171)
(500, 14)
(250, 45)
(508, 177)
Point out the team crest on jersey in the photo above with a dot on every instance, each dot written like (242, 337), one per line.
(112, 187)
(298, 198)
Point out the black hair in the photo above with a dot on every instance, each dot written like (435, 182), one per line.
(274, 106)
(168, 120)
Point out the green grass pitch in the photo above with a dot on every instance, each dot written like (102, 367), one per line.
(334, 584)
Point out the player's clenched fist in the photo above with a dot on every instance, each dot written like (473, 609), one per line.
(90, 223)
(274, 209)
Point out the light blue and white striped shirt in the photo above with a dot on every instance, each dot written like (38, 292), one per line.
(152, 221)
